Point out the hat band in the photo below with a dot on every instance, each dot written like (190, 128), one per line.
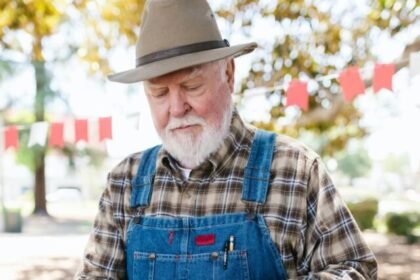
(186, 49)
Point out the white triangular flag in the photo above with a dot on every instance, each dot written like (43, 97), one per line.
(93, 133)
(414, 64)
(69, 130)
(38, 134)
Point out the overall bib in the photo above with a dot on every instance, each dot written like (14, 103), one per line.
(224, 246)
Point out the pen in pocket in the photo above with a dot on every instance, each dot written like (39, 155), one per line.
(231, 243)
(225, 255)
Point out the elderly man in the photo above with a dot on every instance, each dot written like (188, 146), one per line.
(219, 199)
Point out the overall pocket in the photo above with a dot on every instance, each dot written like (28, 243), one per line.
(212, 266)
(153, 266)
(204, 266)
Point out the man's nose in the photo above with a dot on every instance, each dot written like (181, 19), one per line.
(179, 105)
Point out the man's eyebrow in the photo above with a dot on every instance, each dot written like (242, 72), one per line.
(193, 80)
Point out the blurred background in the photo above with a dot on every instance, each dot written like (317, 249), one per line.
(63, 126)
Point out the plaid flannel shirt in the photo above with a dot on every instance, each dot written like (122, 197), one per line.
(309, 223)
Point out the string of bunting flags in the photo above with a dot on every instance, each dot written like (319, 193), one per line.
(38, 134)
(350, 80)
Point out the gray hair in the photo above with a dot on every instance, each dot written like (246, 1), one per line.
(219, 65)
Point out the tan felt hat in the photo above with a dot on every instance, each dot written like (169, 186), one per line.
(177, 34)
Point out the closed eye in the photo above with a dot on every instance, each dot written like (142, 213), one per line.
(159, 94)
(192, 87)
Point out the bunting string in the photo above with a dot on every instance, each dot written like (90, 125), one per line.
(350, 80)
(56, 131)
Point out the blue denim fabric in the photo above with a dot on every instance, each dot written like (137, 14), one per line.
(257, 171)
(167, 248)
(143, 182)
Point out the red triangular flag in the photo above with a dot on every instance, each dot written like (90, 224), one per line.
(11, 138)
(297, 94)
(351, 83)
(105, 128)
(382, 77)
(57, 135)
(81, 130)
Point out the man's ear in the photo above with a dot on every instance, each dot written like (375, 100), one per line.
(230, 74)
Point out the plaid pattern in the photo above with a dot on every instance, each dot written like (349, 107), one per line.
(307, 220)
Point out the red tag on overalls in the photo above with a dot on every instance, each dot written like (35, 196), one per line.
(204, 239)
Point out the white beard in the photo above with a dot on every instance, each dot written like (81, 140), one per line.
(191, 150)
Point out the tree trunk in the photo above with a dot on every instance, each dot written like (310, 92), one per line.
(42, 86)
(40, 201)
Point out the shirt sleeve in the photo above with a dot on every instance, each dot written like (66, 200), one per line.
(104, 256)
(331, 244)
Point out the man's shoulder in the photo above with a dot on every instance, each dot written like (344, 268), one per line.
(293, 147)
(292, 161)
(288, 146)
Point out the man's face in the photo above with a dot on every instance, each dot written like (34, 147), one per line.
(188, 103)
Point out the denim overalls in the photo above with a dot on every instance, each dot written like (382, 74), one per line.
(225, 246)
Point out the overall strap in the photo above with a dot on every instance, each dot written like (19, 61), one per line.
(257, 171)
(143, 182)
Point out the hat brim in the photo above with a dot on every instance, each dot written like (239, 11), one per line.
(165, 66)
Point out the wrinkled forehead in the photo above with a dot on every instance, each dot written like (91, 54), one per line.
(182, 75)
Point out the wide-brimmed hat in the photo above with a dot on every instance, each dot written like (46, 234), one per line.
(177, 34)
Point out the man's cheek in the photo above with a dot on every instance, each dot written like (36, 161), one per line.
(159, 122)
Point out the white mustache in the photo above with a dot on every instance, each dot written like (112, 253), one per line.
(185, 121)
